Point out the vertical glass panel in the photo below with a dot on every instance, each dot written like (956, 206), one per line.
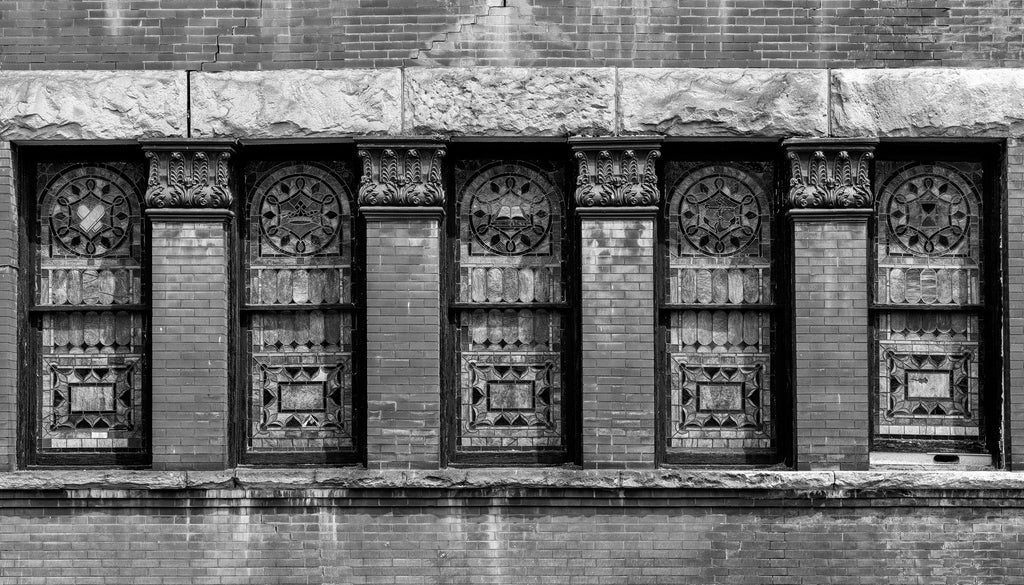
(298, 271)
(511, 216)
(928, 254)
(88, 286)
(719, 283)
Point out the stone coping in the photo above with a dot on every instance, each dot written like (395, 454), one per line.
(517, 478)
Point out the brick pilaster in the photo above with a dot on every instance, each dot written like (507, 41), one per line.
(188, 198)
(8, 311)
(1013, 411)
(403, 213)
(616, 198)
(830, 196)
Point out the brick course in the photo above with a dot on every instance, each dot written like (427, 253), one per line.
(508, 536)
(1013, 394)
(403, 321)
(189, 332)
(255, 34)
(618, 377)
(830, 314)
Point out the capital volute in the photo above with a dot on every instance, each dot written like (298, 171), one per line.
(830, 173)
(189, 174)
(401, 173)
(616, 172)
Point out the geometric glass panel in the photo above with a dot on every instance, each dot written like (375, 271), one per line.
(298, 276)
(928, 253)
(511, 264)
(89, 296)
(719, 287)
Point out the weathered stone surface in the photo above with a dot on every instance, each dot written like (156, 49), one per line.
(723, 102)
(296, 103)
(928, 102)
(234, 482)
(928, 480)
(71, 105)
(497, 101)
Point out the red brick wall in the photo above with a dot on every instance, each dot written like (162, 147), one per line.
(266, 34)
(438, 536)
(830, 312)
(617, 282)
(189, 333)
(9, 316)
(403, 323)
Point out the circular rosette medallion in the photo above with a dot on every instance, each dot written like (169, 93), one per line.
(299, 209)
(928, 209)
(720, 209)
(510, 209)
(90, 209)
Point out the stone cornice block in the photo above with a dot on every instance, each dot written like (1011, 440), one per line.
(724, 102)
(510, 101)
(189, 174)
(928, 102)
(616, 172)
(92, 105)
(404, 172)
(830, 173)
(298, 102)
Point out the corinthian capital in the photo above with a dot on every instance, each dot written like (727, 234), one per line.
(186, 174)
(830, 173)
(403, 173)
(616, 172)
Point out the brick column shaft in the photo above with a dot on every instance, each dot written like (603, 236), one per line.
(403, 307)
(618, 347)
(831, 334)
(190, 339)
(8, 311)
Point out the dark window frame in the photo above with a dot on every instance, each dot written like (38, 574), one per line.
(991, 154)
(26, 157)
(556, 151)
(725, 151)
(241, 312)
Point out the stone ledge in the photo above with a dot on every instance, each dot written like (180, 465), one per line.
(838, 482)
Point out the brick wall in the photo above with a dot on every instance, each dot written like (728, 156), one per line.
(403, 391)
(1013, 409)
(189, 333)
(512, 536)
(269, 34)
(617, 282)
(8, 317)
(830, 311)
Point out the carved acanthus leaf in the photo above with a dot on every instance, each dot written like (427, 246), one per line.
(830, 176)
(188, 178)
(617, 177)
(401, 176)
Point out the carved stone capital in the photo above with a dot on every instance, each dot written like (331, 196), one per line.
(615, 173)
(189, 175)
(404, 174)
(830, 174)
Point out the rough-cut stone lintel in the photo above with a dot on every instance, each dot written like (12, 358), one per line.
(835, 484)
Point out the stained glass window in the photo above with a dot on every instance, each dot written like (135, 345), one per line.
(90, 304)
(299, 311)
(719, 297)
(928, 291)
(511, 309)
